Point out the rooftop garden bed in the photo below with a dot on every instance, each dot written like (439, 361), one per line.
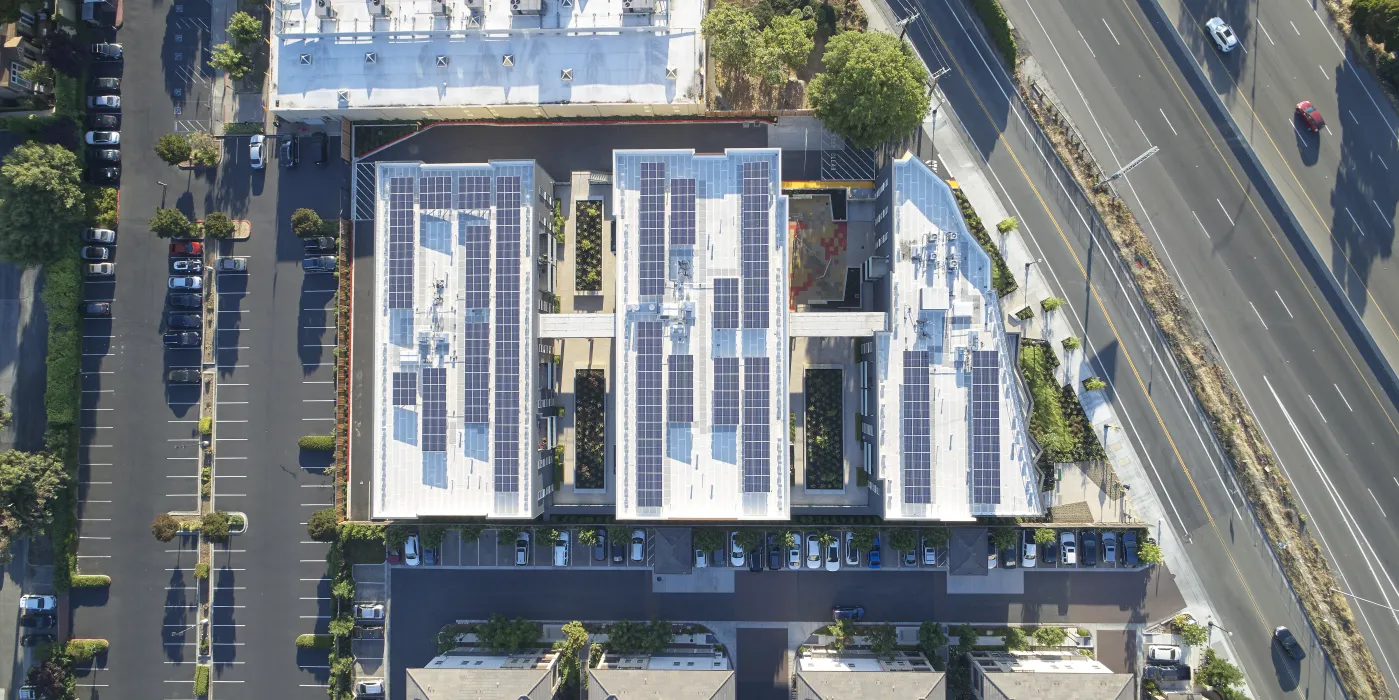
(825, 451)
(588, 242)
(590, 429)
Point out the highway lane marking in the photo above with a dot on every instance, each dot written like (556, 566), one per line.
(1284, 305)
(83, 537)
(1202, 225)
(1353, 221)
(1259, 22)
(1386, 167)
(224, 420)
(1377, 208)
(317, 400)
(1085, 43)
(330, 381)
(1145, 138)
(233, 311)
(232, 403)
(232, 384)
(96, 556)
(1226, 212)
(1377, 505)
(1168, 121)
(1114, 36)
(1294, 28)
(94, 520)
(1352, 116)
(1343, 397)
(102, 372)
(1318, 409)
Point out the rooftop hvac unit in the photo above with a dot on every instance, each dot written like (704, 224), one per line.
(440, 8)
(527, 7)
(639, 6)
(476, 4)
(379, 8)
(324, 10)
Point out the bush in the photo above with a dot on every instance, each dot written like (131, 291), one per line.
(82, 650)
(1050, 636)
(1150, 553)
(1044, 536)
(966, 637)
(1025, 314)
(1051, 303)
(341, 626)
(227, 58)
(164, 527)
(206, 426)
(1057, 421)
(306, 222)
(244, 28)
(201, 681)
(432, 536)
(1070, 343)
(322, 526)
(201, 571)
(1218, 673)
(998, 25)
(1001, 277)
(1194, 634)
(102, 207)
(204, 149)
(1094, 384)
(590, 438)
(1005, 537)
(90, 581)
(709, 539)
(321, 443)
(904, 539)
(1015, 639)
(825, 446)
(171, 223)
(320, 642)
(215, 526)
(587, 217)
(173, 148)
(1007, 224)
(218, 225)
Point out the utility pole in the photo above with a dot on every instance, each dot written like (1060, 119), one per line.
(903, 25)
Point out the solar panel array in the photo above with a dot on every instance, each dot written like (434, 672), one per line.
(435, 191)
(680, 394)
(725, 391)
(474, 192)
(434, 409)
(986, 427)
(476, 262)
(917, 429)
(405, 389)
(648, 414)
(401, 243)
(651, 229)
(507, 338)
(726, 302)
(755, 238)
(757, 474)
(682, 211)
(476, 374)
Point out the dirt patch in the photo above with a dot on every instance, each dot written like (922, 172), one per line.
(1071, 513)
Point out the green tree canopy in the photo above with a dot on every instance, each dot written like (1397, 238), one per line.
(215, 526)
(29, 483)
(904, 539)
(1149, 553)
(1216, 672)
(244, 28)
(322, 526)
(931, 638)
(170, 223)
(306, 222)
(173, 148)
(164, 527)
(1015, 638)
(203, 149)
(41, 204)
(500, 634)
(844, 632)
(731, 32)
(1379, 19)
(749, 538)
(883, 640)
(218, 225)
(1004, 537)
(230, 60)
(575, 639)
(864, 538)
(872, 89)
(790, 38)
(709, 539)
(587, 537)
(966, 637)
(1044, 536)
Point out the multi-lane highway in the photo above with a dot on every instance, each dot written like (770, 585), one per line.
(1321, 405)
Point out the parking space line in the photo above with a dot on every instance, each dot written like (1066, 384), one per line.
(317, 400)
(317, 419)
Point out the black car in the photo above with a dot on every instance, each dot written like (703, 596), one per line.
(106, 52)
(1289, 643)
(105, 85)
(1009, 557)
(186, 339)
(1178, 672)
(97, 308)
(600, 547)
(104, 121)
(318, 147)
(41, 621)
(290, 152)
(34, 640)
(184, 321)
(1089, 548)
(755, 560)
(1049, 554)
(103, 174)
(183, 376)
(320, 244)
(853, 613)
(185, 301)
(111, 155)
(319, 263)
(430, 556)
(775, 552)
(619, 551)
(1129, 546)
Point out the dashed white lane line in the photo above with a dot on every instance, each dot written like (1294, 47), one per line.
(1265, 32)
(1260, 316)
(1386, 165)
(1226, 211)
(1294, 28)
(1202, 225)
(1168, 120)
(1113, 34)
(1318, 409)
(1377, 502)
(1343, 397)
(1353, 221)
(1284, 305)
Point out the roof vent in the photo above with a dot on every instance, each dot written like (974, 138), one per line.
(324, 10)
(671, 73)
(343, 95)
(371, 57)
(442, 61)
(567, 74)
(305, 59)
(507, 60)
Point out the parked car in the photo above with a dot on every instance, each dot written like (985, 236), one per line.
(992, 554)
(319, 244)
(1289, 643)
(318, 147)
(97, 308)
(1178, 672)
(412, 551)
(874, 554)
(910, 558)
(186, 248)
(833, 554)
(930, 553)
(32, 603)
(736, 554)
(638, 545)
(852, 555)
(794, 554)
(108, 155)
(319, 263)
(34, 640)
(1222, 34)
(38, 621)
(95, 252)
(103, 174)
(1129, 548)
(231, 265)
(185, 339)
(701, 559)
(1090, 548)
(369, 612)
(813, 551)
(1163, 653)
(600, 545)
(183, 321)
(755, 560)
(107, 102)
(430, 556)
(100, 85)
(184, 301)
(106, 51)
(392, 555)
(185, 283)
(1068, 549)
(1109, 547)
(561, 555)
(28, 692)
(1049, 553)
(522, 548)
(1311, 116)
(183, 376)
(110, 122)
(1009, 557)
(290, 153)
(619, 551)
(99, 235)
(257, 151)
(774, 550)
(103, 269)
(370, 688)
(1029, 551)
(187, 265)
(103, 138)
(853, 613)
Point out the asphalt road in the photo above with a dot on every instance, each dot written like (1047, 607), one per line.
(422, 600)
(1241, 575)
(1245, 266)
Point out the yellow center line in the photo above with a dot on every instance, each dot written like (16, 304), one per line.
(1000, 136)
(1207, 131)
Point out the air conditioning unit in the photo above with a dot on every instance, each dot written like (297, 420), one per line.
(527, 7)
(440, 8)
(378, 8)
(639, 7)
(324, 10)
(476, 4)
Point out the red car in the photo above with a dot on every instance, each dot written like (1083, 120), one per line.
(1310, 115)
(393, 555)
(186, 248)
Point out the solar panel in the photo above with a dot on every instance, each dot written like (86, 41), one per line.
(651, 229)
(757, 474)
(401, 243)
(726, 302)
(682, 211)
(474, 192)
(648, 414)
(435, 191)
(434, 409)
(755, 237)
(476, 261)
(680, 396)
(917, 429)
(476, 375)
(725, 391)
(507, 335)
(405, 389)
(986, 427)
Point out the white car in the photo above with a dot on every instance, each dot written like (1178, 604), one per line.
(794, 555)
(28, 692)
(1222, 34)
(104, 102)
(101, 269)
(852, 555)
(737, 557)
(103, 138)
(369, 612)
(1109, 547)
(370, 688)
(1029, 552)
(930, 554)
(412, 551)
(813, 552)
(833, 555)
(561, 549)
(701, 559)
(231, 265)
(1163, 653)
(1068, 549)
(257, 151)
(99, 235)
(185, 283)
(638, 545)
(37, 603)
(522, 549)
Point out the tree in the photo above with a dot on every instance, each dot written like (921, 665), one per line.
(218, 225)
(1050, 636)
(659, 636)
(626, 637)
(826, 539)
(1379, 19)
(230, 60)
(171, 223)
(432, 536)
(38, 73)
(102, 206)
(587, 537)
(500, 634)
(215, 526)
(29, 484)
(749, 538)
(931, 638)
(966, 637)
(570, 648)
(1044, 536)
(844, 632)
(1195, 634)
(766, 65)
(1015, 639)
(41, 203)
(709, 539)
(1217, 672)
(937, 536)
(1051, 303)
(165, 527)
(173, 148)
(203, 149)
(505, 536)
(323, 525)
(789, 540)
(904, 539)
(790, 38)
(883, 640)
(397, 533)
(50, 679)
(1004, 537)
(1094, 384)
(1150, 553)
(244, 29)
(306, 222)
(872, 88)
(731, 33)
(863, 538)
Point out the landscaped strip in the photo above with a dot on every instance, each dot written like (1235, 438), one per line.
(62, 295)
(588, 245)
(1001, 277)
(589, 429)
(1057, 421)
(344, 323)
(825, 446)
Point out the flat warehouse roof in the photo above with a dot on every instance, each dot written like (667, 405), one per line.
(702, 335)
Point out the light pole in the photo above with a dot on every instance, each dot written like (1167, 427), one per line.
(1036, 261)
(903, 25)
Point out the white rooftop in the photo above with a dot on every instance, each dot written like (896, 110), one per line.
(447, 55)
(701, 332)
(454, 362)
(953, 443)
(1038, 662)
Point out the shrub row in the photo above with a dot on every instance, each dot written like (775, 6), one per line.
(62, 294)
(588, 244)
(320, 443)
(1001, 277)
(590, 428)
(85, 649)
(321, 642)
(994, 17)
(91, 581)
(201, 681)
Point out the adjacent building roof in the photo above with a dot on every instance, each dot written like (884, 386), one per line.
(701, 333)
(890, 685)
(1051, 675)
(496, 677)
(953, 442)
(454, 359)
(651, 684)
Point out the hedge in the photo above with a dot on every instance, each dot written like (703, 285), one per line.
(61, 296)
(590, 426)
(201, 570)
(321, 642)
(201, 681)
(994, 17)
(231, 128)
(206, 425)
(85, 649)
(322, 443)
(587, 222)
(91, 581)
(1001, 277)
